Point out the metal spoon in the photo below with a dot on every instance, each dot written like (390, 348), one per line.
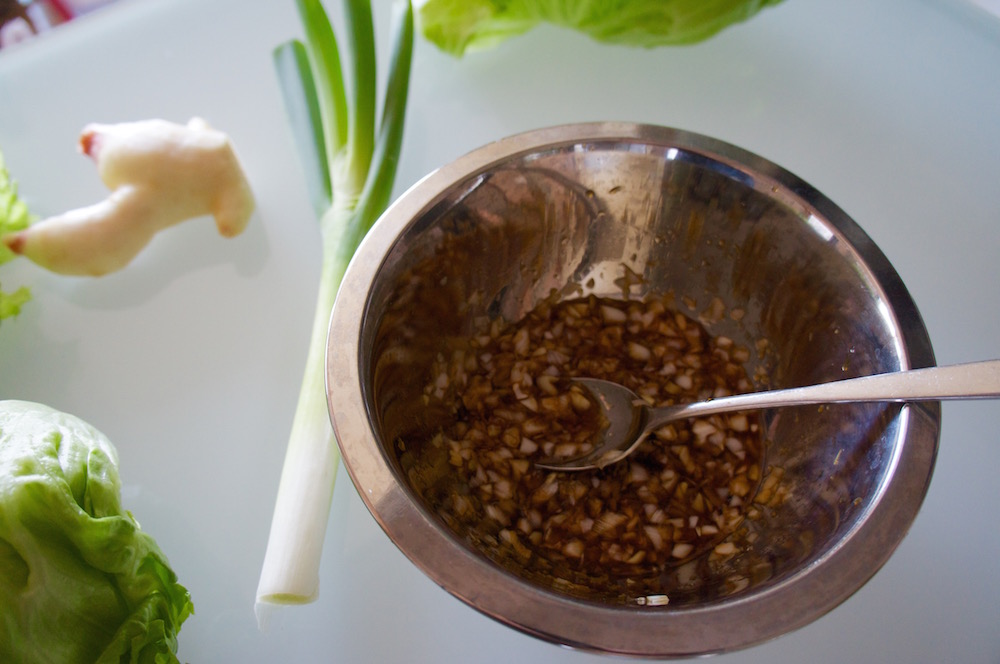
(629, 419)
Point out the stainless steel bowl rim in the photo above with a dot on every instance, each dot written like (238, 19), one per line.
(661, 632)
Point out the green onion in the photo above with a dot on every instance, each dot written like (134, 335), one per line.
(350, 169)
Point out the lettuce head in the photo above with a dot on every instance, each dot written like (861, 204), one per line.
(457, 26)
(79, 580)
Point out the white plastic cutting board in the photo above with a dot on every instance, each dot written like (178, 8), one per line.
(190, 359)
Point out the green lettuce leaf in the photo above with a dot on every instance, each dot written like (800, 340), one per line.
(79, 580)
(10, 303)
(14, 216)
(457, 26)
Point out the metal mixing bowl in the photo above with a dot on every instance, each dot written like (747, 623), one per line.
(572, 209)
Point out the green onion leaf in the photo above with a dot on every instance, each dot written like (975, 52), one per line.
(302, 106)
(361, 134)
(324, 58)
(382, 174)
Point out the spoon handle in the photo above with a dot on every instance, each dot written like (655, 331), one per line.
(973, 380)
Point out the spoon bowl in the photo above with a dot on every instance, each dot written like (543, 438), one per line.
(627, 419)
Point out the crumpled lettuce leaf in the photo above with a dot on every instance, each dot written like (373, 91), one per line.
(458, 26)
(79, 580)
(14, 216)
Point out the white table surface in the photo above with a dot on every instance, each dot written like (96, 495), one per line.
(190, 359)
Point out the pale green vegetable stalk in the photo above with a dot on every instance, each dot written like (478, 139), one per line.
(350, 168)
